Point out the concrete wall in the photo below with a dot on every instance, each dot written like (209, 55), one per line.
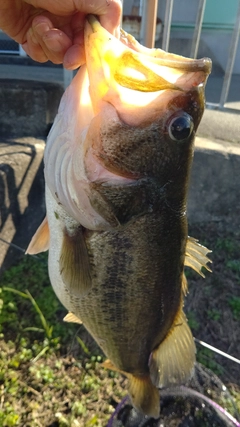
(214, 193)
(27, 109)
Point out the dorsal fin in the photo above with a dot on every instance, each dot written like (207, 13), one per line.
(74, 263)
(40, 240)
(195, 256)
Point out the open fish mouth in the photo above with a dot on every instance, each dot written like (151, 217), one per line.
(130, 76)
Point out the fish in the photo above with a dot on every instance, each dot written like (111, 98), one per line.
(117, 166)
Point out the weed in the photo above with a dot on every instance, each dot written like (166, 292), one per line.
(193, 322)
(29, 282)
(42, 373)
(206, 357)
(8, 416)
(234, 265)
(83, 346)
(49, 342)
(214, 314)
(228, 245)
(234, 303)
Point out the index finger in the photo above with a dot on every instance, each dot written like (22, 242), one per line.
(109, 11)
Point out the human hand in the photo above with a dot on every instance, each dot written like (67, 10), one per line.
(53, 29)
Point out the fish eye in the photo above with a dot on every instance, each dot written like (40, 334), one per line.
(180, 127)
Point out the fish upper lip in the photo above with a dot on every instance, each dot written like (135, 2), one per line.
(167, 59)
(157, 55)
(203, 64)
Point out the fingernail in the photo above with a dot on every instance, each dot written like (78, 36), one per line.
(41, 28)
(52, 43)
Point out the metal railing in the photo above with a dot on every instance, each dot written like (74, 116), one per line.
(195, 43)
(231, 60)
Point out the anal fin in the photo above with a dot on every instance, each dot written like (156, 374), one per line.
(172, 362)
(75, 264)
(40, 240)
(195, 256)
(144, 395)
(71, 318)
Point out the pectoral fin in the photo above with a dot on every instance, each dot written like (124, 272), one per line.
(40, 240)
(74, 263)
(144, 395)
(195, 256)
(71, 318)
(172, 362)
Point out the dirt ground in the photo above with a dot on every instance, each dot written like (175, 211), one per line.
(213, 303)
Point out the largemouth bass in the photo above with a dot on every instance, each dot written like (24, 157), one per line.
(117, 166)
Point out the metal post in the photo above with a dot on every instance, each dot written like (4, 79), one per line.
(167, 24)
(198, 29)
(149, 20)
(231, 60)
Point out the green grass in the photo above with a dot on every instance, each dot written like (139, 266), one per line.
(228, 245)
(25, 288)
(192, 321)
(206, 358)
(36, 373)
(50, 371)
(234, 303)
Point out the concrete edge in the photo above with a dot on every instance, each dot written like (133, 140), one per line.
(221, 146)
